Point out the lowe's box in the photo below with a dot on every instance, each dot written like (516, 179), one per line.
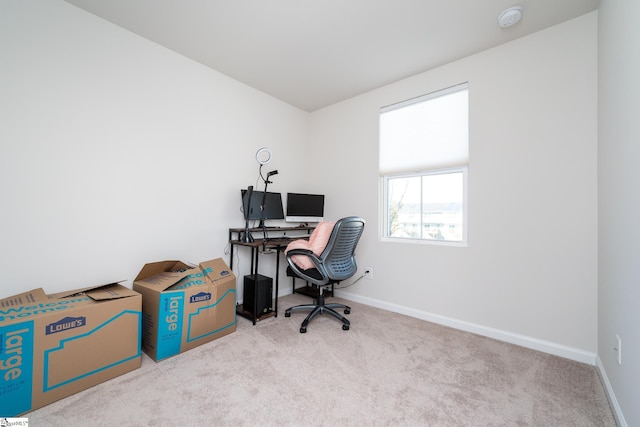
(185, 306)
(52, 346)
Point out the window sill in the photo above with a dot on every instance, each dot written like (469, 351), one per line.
(425, 242)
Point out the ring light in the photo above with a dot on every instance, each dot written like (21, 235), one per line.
(263, 156)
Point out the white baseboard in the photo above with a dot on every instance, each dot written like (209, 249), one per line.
(615, 406)
(510, 337)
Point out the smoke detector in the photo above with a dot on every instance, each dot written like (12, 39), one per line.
(510, 16)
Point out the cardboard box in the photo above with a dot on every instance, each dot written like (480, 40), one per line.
(185, 306)
(52, 346)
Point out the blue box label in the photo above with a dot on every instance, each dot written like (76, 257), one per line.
(16, 368)
(200, 297)
(34, 310)
(65, 324)
(170, 325)
(194, 279)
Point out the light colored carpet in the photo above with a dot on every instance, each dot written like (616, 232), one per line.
(387, 370)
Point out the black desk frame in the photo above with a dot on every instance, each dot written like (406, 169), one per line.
(272, 238)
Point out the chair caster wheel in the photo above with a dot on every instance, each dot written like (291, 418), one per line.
(303, 330)
(287, 314)
(347, 311)
(345, 328)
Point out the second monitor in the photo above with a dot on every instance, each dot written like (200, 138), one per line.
(305, 207)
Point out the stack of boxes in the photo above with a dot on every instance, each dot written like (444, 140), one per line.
(53, 346)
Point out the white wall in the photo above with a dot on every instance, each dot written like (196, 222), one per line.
(529, 272)
(115, 152)
(619, 204)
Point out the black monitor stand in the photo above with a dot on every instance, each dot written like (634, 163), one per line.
(246, 236)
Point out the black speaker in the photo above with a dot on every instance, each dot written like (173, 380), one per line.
(257, 294)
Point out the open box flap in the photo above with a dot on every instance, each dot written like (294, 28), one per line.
(215, 269)
(108, 292)
(164, 280)
(156, 268)
(29, 297)
(97, 292)
(163, 275)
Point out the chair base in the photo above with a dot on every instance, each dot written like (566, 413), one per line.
(320, 308)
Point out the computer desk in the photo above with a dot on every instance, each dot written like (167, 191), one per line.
(274, 238)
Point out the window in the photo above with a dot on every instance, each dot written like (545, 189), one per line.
(424, 152)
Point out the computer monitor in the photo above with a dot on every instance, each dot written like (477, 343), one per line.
(305, 207)
(272, 205)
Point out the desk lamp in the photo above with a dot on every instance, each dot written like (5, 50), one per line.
(263, 156)
(264, 196)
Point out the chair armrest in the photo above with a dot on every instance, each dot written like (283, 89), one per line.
(306, 252)
(316, 262)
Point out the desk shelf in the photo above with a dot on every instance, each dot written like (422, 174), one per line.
(240, 311)
(272, 238)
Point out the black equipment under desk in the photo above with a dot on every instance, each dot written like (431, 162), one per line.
(275, 238)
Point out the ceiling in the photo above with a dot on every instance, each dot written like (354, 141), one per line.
(314, 53)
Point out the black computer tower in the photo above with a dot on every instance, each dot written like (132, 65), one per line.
(258, 296)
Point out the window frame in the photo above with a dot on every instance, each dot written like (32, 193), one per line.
(447, 165)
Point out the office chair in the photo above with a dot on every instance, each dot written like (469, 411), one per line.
(337, 262)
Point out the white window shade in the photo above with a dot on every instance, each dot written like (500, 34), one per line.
(428, 132)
